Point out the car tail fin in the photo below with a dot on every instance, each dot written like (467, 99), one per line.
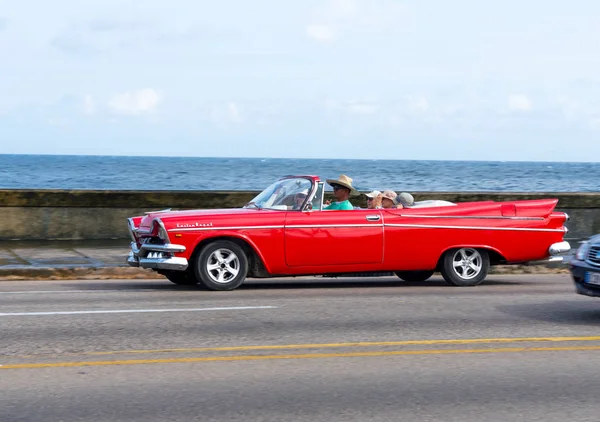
(535, 207)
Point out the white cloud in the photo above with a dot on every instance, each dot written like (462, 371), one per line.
(595, 123)
(419, 103)
(323, 33)
(88, 105)
(347, 16)
(364, 107)
(571, 110)
(234, 112)
(57, 121)
(343, 7)
(229, 114)
(519, 102)
(135, 102)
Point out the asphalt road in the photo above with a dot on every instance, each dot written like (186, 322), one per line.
(518, 348)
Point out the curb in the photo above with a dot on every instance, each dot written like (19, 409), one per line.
(77, 273)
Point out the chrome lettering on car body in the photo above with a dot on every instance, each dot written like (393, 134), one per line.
(194, 225)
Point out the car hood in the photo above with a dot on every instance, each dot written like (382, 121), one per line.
(165, 215)
(172, 218)
(595, 239)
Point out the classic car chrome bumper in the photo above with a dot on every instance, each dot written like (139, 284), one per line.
(558, 248)
(157, 257)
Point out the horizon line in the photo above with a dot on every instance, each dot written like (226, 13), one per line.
(294, 158)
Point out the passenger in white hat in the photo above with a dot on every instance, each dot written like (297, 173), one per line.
(371, 196)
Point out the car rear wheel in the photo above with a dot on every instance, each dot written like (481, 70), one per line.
(181, 277)
(465, 266)
(221, 265)
(414, 275)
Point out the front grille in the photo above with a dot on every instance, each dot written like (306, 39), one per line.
(594, 255)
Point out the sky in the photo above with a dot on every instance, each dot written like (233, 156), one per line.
(386, 79)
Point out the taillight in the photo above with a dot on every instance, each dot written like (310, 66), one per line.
(155, 229)
(159, 231)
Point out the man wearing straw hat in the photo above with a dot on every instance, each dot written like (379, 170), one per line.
(342, 188)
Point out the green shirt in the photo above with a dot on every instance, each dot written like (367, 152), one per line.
(344, 205)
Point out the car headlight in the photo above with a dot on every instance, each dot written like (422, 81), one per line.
(582, 251)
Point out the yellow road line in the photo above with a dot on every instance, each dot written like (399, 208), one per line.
(300, 356)
(335, 345)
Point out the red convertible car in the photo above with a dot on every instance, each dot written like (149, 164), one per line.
(284, 231)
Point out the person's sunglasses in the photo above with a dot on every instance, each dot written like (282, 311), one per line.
(337, 187)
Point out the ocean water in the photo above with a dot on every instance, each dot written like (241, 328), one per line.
(190, 173)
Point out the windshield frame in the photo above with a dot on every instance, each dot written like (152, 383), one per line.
(272, 188)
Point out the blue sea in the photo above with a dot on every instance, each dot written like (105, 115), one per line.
(190, 173)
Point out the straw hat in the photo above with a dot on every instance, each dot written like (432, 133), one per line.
(344, 181)
(389, 194)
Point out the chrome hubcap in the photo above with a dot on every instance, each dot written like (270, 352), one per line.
(467, 263)
(223, 265)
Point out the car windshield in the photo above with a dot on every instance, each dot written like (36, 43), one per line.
(286, 194)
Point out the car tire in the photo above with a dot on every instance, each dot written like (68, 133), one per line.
(183, 278)
(465, 267)
(414, 275)
(221, 265)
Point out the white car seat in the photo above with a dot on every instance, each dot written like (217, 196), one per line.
(431, 203)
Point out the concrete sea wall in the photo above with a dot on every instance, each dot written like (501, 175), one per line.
(84, 214)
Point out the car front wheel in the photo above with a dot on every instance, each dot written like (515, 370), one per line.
(465, 266)
(221, 265)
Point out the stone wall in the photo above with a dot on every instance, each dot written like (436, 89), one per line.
(84, 214)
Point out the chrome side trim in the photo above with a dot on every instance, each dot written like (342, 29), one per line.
(227, 228)
(320, 226)
(427, 226)
(478, 217)
(168, 248)
(558, 248)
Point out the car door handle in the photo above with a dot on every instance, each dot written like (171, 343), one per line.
(373, 217)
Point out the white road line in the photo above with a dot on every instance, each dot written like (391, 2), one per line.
(31, 292)
(132, 311)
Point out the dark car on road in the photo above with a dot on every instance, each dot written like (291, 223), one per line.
(585, 267)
